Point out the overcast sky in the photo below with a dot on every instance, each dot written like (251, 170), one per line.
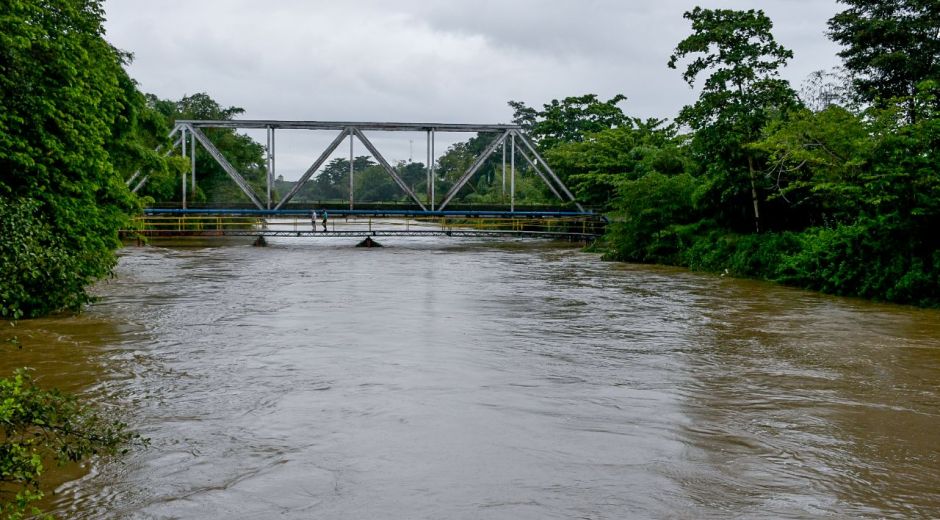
(416, 60)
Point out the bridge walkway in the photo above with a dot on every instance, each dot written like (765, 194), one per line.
(362, 223)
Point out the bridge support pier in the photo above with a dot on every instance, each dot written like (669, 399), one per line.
(368, 242)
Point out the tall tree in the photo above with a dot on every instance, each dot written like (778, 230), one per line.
(570, 119)
(817, 161)
(739, 96)
(892, 47)
(597, 166)
(64, 110)
(243, 152)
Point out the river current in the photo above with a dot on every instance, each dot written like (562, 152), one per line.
(446, 378)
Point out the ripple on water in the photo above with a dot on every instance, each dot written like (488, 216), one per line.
(444, 379)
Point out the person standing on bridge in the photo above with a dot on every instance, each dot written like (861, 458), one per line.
(313, 220)
(324, 220)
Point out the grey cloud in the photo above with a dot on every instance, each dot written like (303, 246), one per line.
(457, 61)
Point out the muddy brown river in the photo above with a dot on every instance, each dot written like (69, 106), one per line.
(469, 379)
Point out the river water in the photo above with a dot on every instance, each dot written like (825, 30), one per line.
(445, 378)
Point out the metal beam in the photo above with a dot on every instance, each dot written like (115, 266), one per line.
(313, 168)
(352, 172)
(473, 169)
(140, 184)
(227, 166)
(503, 192)
(512, 181)
(427, 184)
(183, 153)
(192, 154)
(129, 181)
(540, 174)
(176, 143)
(342, 125)
(270, 168)
(433, 172)
(388, 168)
(548, 169)
(145, 178)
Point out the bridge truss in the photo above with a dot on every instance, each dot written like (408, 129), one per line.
(189, 133)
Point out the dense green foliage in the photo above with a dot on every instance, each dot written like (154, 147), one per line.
(40, 426)
(892, 49)
(597, 166)
(213, 184)
(72, 124)
(570, 119)
(40, 273)
(741, 93)
(842, 198)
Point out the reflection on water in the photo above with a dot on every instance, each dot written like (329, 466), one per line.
(454, 379)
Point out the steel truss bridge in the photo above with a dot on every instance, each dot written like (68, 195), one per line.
(271, 217)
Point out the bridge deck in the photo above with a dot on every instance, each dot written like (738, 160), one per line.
(362, 223)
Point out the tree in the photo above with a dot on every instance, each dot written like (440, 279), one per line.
(823, 89)
(570, 119)
(817, 162)
(332, 183)
(891, 48)
(213, 183)
(64, 97)
(648, 211)
(596, 166)
(739, 96)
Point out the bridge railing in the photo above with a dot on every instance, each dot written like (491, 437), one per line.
(298, 225)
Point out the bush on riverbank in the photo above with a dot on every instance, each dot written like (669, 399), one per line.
(40, 426)
(847, 260)
(40, 273)
(854, 212)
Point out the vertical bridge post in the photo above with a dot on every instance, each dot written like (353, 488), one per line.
(356, 129)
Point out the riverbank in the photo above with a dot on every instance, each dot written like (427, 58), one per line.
(867, 259)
